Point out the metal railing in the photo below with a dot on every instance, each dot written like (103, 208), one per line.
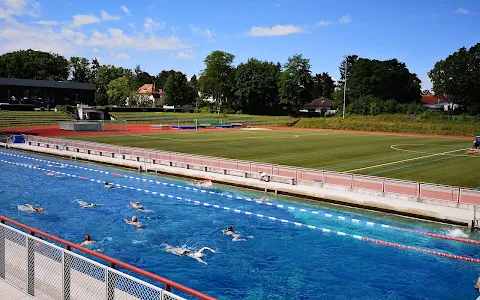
(47, 271)
(304, 176)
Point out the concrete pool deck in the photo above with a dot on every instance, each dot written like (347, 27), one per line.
(433, 210)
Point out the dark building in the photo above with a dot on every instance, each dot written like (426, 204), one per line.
(43, 93)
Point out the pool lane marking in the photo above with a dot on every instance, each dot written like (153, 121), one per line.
(326, 230)
(328, 215)
(404, 160)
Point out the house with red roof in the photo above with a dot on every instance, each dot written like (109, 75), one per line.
(443, 102)
(148, 93)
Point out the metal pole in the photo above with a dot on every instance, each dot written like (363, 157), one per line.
(345, 87)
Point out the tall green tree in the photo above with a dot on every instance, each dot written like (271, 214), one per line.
(161, 78)
(389, 79)
(31, 64)
(177, 90)
(323, 86)
(296, 81)
(118, 90)
(80, 70)
(350, 60)
(256, 87)
(105, 74)
(140, 78)
(218, 79)
(458, 77)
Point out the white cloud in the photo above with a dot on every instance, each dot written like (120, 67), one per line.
(107, 17)
(345, 19)
(9, 8)
(150, 25)
(66, 40)
(205, 33)
(80, 20)
(17, 36)
(323, 23)
(462, 11)
(116, 38)
(47, 23)
(174, 29)
(123, 56)
(187, 54)
(131, 25)
(125, 10)
(277, 30)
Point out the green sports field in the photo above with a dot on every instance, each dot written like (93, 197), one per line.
(435, 160)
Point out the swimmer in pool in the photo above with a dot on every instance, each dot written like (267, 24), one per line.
(137, 205)
(86, 204)
(205, 183)
(235, 236)
(87, 241)
(185, 252)
(107, 186)
(263, 199)
(34, 209)
(134, 222)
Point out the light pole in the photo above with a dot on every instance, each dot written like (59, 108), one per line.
(345, 86)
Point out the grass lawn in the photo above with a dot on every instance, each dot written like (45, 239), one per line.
(31, 118)
(189, 118)
(435, 160)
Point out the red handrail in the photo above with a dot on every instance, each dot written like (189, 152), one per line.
(112, 261)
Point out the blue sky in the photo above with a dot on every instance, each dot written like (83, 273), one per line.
(178, 34)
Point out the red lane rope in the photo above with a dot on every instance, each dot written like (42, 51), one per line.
(379, 242)
(439, 236)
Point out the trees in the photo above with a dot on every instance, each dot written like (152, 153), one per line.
(80, 70)
(296, 81)
(388, 79)
(217, 80)
(118, 90)
(177, 90)
(30, 64)
(350, 61)
(458, 76)
(105, 74)
(140, 78)
(323, 86)
(256, 88)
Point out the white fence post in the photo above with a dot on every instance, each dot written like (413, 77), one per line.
(2, 251)
(458, 194)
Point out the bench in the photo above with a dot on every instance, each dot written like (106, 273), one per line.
(161, 126)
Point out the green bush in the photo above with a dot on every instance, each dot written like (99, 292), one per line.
(205, 110)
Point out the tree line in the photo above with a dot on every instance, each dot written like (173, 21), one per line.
(264, 87)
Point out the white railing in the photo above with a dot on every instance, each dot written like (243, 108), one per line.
(46, 271)
(278, 173)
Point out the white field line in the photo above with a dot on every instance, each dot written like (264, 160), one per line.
(231, 139)
(395, 147)
(404, 160)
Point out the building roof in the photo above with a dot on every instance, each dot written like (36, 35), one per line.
(47, 84)
(431, 99)
(321, 102)
(149, 89)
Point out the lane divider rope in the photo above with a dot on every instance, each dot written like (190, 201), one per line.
(280, 206)
(248, 213)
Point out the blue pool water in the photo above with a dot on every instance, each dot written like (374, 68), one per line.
(282, 261)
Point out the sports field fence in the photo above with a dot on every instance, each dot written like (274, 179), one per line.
(314, 177)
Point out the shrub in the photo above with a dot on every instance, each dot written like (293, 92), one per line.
(205, 110)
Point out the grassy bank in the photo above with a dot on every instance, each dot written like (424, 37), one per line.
(189, 118)
(394, 123)
(12, 119)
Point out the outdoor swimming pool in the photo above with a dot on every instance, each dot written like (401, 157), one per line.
(284, 260)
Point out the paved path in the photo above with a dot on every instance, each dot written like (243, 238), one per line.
(437, 210)
(9, 292)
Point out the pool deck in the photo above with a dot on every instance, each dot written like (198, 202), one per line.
(433, 210)
(9, 292)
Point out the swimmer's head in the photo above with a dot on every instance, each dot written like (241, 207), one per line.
(134, 219)
(229, 228)
(87, 237)
(106, 183)
(41, 209)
